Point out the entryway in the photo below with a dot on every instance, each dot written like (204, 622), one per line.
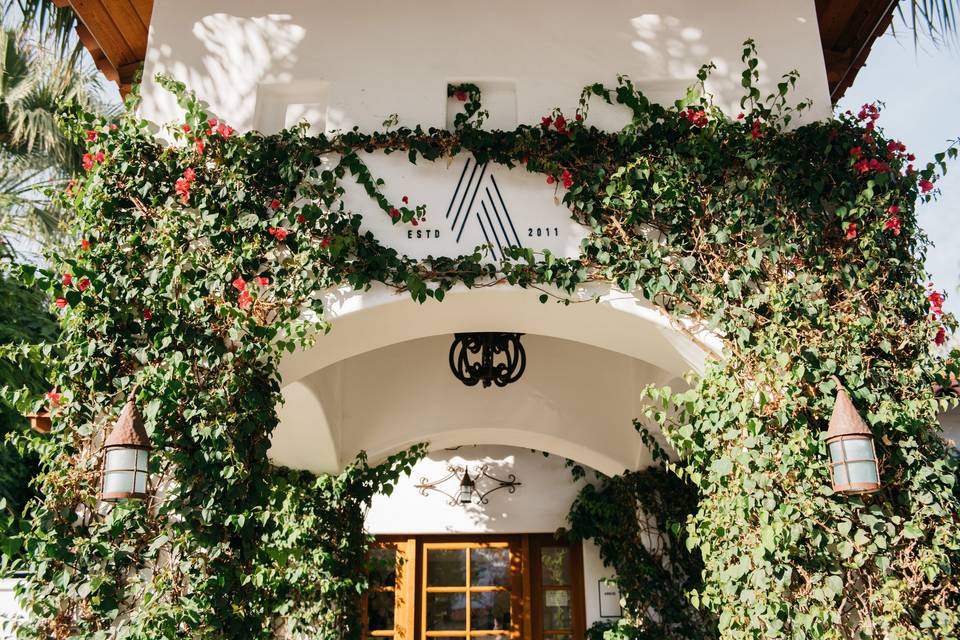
(494, 587)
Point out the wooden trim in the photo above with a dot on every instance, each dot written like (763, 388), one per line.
(576, 587)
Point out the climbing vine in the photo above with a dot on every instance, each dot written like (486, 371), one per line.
(200, 260)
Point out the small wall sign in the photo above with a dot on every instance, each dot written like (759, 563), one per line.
(609, 599)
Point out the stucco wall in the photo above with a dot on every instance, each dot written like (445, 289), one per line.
(340, 64)
(9, 610)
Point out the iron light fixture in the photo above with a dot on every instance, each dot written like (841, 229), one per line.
(468, 491)
(853, 457)
(126, 457)
(490, 358)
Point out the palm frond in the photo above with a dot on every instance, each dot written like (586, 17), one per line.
(44, 17)
(933, 19)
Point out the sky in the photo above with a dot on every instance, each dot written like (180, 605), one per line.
(920, 87)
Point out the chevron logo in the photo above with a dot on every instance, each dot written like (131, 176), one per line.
(479, 201)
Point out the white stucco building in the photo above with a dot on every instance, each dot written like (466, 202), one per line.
(337, 65)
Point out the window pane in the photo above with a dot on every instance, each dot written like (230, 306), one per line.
(858, 449)
(446, 611)
(118, 482)
(556, 609)
(380, 610)
(121, 459)
(490, 611)
(863, 472)
(490, 567)
(383, 567)
(446, 567)
(555, 566)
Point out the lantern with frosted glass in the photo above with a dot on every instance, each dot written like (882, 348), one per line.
(467, 487)
(126, 456)
(853, 458)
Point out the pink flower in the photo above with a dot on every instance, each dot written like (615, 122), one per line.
(567, 179)
(189, 174)
(54, 397)
(405, 200)
(67, 279)
(100, 157)
(325, 242)
(84, 284)
(185, 128)
(394, 213)
(61, 302)
(741, 115)
(274, 204)
(91, 135)
(855, 152)
(263, 280)
(239, 284)
(280, 234)
(560, 123)
(893, 209)
(224, 130)
(245, 300)
(301, 218)
(147, 314)
(198, 145)
(87, 162)
(551, 179)
(212, 122)
(546, 121)
(113, 127)
(941, 337)
(893, 224)
(84, 245)
(755, 130)
(936, 303)
(182, 188)
(852, 231)
(925, 186)
(460, 95)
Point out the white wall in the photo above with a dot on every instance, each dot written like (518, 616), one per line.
(340, 64)
(9, 609)
(539, 505)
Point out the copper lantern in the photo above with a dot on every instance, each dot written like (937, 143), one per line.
(853, 458)
(126, 456)
(40, 421)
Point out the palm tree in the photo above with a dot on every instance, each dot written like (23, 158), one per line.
(34, 153)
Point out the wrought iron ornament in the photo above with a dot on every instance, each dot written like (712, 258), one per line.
(469, 490)
(490, 358)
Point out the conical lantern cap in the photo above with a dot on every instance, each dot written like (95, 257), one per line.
(129, 430)
(845, 420)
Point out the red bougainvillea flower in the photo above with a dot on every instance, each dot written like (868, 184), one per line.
(212, 122)
(224, 130)
(405, 200)
(460, 95)
(893, 224)
(274, 204)
(862, 166)
(182, 187)
(189, 174)
(546, 121)
(239, 284)
(54, 397)
(147, 314)
(61, 302)
(100, 157)
(852, 231)
(301, 218)
(245, 300)
(567, 179)
(855, 152)
(941, 337)
(755, 131)
(394, 213)
(936, 303)
(87, 162)
(113, 127)
(696, 117)
(263, 280)
(551, 179)
(911, 157)
(84, 245)
(325, 242)
(91, 135)
(280, 234)
(84, 284)
(67, 279)
(560, 123)
(741, 115)
(925, 186)
(198, 145)
(185, 128)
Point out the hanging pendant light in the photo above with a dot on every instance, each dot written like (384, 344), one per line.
(487, 358)
(126, 457)
(853, 457)
(467, 487)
